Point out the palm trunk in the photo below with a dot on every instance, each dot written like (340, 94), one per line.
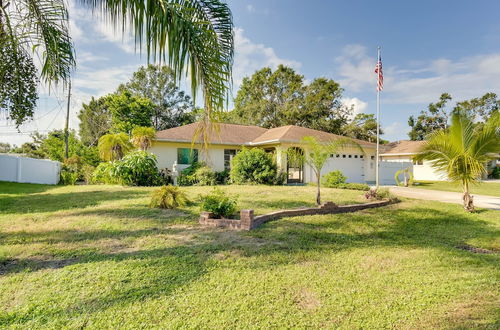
(468, 199)
(318, 193)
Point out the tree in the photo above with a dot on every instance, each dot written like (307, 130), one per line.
(463, 150)
(31, 29)
(363, 126)
(95, 120)
(114, 146)
(435, 118)
(142, 137)
(316, 154)
(5, 147)
(479, 108)
(157, 83)
(128, 111)
(268, 97)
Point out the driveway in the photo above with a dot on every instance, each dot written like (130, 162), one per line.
(487, 202)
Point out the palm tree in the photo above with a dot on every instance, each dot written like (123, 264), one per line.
(142, 137)
(194, 36)
(316, 155)
(114, 146)
(463, 150)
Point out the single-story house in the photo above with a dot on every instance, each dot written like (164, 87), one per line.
(174, 148)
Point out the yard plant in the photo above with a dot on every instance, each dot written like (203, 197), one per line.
(168, 197)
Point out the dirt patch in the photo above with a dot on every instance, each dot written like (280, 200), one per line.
(307, 300)
(474, 249)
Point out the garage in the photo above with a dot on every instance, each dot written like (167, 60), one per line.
(350, 164)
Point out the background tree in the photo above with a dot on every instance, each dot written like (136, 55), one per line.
(95, 120)
(157, 83)
(316, 154)
(462, 151)
(128, 111)
(364, 127)
(430, 120)
(114, 146)
(142, 137)
(271, 99)
(480, 109)
(5, 147)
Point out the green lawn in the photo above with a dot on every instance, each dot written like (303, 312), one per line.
(97, 257)
(490, 189)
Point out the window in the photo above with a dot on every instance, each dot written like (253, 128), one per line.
(360, 156)
(343, 156)
(355, 156)
(186, 156)
(373, 157)
(350, 156)
(331, 155)
(228, 156)
(338, 155)
(419, 162)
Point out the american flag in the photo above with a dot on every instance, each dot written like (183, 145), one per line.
(380, 75)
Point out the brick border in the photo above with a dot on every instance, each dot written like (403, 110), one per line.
(248, 221)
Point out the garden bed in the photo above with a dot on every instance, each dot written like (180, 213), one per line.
(249, 221)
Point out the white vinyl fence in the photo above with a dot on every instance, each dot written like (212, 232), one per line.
(28, 170)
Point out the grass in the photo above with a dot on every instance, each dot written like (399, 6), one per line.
(488, 188)
(97, 257)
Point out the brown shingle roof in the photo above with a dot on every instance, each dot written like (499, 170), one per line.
(249, 135)
(225, 134)
(403, 147)
(292, 133)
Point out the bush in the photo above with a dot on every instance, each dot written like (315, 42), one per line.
(381, 194)
(218, 203)
(68, 177)
(168, 197)
(205, 176)
(333, 179)
(222, 177)
(253, 166)
(187, 176)
(138, 168)
(354, 186)
(87, 173)
(496, 173)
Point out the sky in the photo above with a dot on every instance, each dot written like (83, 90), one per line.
(428, 47)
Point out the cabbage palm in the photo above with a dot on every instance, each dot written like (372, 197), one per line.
(463, 150)
(142, 137)
(114, 146)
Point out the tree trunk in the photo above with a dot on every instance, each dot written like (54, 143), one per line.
(468, 199)
(318, 193)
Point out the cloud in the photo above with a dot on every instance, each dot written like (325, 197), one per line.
(358, 105)
(250, 8)
(423, 81)
(250, 57)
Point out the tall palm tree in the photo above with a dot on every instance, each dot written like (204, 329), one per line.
(195, 37)
(142, 137)
(114, 146)
(463, 150)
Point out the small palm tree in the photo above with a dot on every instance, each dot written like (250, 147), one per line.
(317, 154)
(142, 137)
(463, 150)
(114, 146)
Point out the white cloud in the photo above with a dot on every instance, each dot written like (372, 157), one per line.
(250, 56)
(250, 8)
(358, 105)
(422, 82)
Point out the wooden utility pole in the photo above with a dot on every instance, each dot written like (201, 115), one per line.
(66, 131)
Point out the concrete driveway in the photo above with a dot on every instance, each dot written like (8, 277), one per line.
(487, 202)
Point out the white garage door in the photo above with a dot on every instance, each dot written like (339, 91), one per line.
(351, 165)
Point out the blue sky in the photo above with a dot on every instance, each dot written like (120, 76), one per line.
(428, 47)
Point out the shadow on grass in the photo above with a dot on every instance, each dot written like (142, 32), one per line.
(163, 270)
(14, 188)
(57, 202)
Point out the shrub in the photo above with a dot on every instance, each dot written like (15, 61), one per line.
(187, 175)
(205, 176)
(253, 166)
(87, 172)
(68, 177)
(222, 177)
(218, 203)
(496, 173)
(381, 194)
(333, 179)
(138, 168)
(353, 186)
(168, 197)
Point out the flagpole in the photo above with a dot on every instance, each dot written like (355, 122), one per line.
(378, 125)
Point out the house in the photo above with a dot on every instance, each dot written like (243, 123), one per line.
(174, 146)
(403, 152)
